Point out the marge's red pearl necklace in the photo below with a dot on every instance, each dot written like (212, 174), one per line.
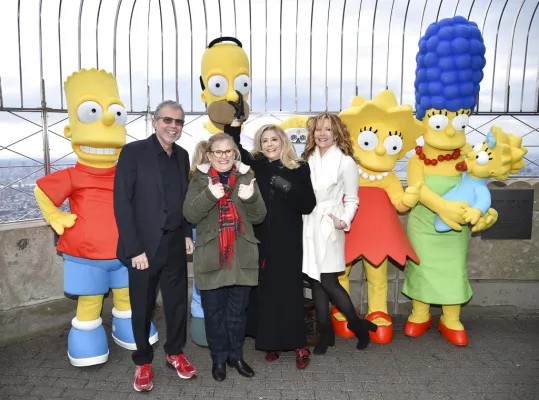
(433, 161)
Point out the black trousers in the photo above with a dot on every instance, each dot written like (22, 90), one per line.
(169, 270)
(225, 317)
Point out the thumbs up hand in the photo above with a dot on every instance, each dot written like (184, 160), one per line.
(217, 190)
(246, 191)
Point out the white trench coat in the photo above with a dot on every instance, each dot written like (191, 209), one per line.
(335, 179)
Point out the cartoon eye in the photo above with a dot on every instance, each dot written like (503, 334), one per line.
(393, 145)
(367, 140)
(482, 158)
(120, 116)
(303, 139)
(218, 85)
(460, 122)
(477, 148)
(242, 84)
(89, 112)
(438, 122)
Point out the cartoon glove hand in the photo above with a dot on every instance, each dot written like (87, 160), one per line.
(61, 220)
(239, 107)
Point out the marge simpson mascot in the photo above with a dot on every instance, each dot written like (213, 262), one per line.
(449, 69)
(225, 70)
(88, 234)
(382, 133)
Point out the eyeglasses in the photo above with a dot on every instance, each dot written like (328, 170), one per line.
(168, 121)
(220, 153)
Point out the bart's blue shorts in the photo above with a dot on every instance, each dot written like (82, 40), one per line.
(85, 277)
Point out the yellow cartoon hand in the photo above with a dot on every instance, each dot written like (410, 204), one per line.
(472, 215)
(452, 213)
(486, 221)
(411, 195)
(61, 220)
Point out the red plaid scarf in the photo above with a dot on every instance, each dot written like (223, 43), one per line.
(230, 223)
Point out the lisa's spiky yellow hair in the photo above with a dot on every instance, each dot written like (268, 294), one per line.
(383, 108)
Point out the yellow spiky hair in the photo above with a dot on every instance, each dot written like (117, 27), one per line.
(88, 74)
(93, 80)
(383, 108)
(511, 152)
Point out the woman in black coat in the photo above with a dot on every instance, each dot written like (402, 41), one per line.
(276, 314)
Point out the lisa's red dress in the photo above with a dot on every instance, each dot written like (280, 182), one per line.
(376, 231)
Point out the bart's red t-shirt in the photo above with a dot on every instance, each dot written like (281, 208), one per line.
(90, 192)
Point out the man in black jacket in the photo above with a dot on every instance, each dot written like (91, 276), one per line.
(149, 190)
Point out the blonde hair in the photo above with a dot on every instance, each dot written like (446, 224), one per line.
(288, 156)
(204, 147)
(340, 133)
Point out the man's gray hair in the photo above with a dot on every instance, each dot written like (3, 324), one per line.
(167, 103)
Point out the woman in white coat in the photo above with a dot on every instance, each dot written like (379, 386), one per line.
(335, 179)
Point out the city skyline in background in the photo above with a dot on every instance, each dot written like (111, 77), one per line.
(378, 39)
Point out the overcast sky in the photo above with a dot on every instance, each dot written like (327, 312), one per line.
(140, 47)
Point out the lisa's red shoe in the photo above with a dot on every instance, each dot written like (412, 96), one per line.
(416, 330)
(302, 358)
(340, 327)
(384, 334)
(458, 338)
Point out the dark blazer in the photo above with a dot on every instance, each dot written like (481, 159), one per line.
(139, 199)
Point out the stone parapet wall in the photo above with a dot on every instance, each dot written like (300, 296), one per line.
(502, 273)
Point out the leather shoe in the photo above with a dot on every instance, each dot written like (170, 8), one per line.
(242, 367)
(218, 372)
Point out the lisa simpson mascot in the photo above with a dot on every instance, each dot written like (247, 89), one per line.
(88, 234)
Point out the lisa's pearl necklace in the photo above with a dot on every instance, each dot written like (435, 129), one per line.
(370, 177)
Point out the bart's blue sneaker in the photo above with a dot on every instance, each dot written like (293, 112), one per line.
(87, 343)
(122, 330)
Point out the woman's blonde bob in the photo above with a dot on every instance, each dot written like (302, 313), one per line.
(288, 156)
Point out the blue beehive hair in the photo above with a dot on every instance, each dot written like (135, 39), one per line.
(450, 66)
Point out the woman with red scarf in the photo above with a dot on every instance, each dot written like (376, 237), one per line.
(224, 201)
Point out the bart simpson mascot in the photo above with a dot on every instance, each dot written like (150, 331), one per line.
(449, 70)
(382, 133)
(225, 83)
(88, 234)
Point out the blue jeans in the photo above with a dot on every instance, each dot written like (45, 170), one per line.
(225, 317)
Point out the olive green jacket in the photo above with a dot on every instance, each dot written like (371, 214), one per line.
(200, 207)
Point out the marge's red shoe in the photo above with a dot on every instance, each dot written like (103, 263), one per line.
(340, 327)
(458, 338)
(416, 330)
(384, 334)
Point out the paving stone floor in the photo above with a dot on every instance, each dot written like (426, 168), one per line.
(501, 362)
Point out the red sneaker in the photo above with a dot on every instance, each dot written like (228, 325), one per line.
(143, 378)
(184, 368)
(302, 358)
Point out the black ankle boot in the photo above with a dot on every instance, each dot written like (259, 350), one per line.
(327, 338)
(361, 328)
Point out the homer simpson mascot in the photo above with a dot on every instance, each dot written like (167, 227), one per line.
(88, 234)
(225, 82)
(449, 70)
(382, 132)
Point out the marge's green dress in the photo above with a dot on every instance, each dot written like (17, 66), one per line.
(441, 277)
